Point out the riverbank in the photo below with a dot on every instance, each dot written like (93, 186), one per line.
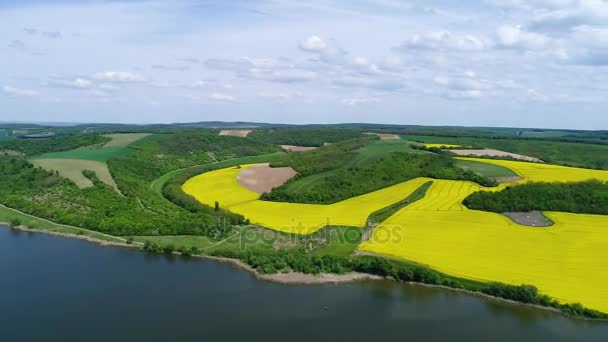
(297, 278)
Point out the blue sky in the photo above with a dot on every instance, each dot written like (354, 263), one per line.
(535, 63)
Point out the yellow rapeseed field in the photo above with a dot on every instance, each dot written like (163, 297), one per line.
(222, 186)
(441, 146)
(540, 172)
(566, 261)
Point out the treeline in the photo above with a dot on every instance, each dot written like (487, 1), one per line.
(140, 211)
(578, 154)
(302, 136)
(590, 197)
(269, 261)
(323, 159)
(349, 180)
(33, 147)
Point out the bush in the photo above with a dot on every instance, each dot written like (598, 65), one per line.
(15, 222)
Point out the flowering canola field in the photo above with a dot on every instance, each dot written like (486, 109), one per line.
(222, 186)
(566, 261)
(441, 146)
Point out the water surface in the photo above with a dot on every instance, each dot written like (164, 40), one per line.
(57, 289)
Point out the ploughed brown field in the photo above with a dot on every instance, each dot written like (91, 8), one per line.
(263, 178)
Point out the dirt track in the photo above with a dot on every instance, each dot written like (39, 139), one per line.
(294, 148)
(263, 178)
(494, 153)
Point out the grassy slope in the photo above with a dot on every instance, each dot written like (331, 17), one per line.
(484, 169)
(100, 154)
(563, 153)
(157, 184)
(7, 215)
(124, 139)
(364, 155)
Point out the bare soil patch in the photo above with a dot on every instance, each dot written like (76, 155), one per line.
(236, 132)
(530, 219)
(512, 179)
(263, 178)
(385, 136)
(323, 278)
(494, 153)
(294, 148)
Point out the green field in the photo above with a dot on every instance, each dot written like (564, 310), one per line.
(363, 156)
(100, 154)
(5, 134)
(484, 169)
(337, 241)
(555, 152)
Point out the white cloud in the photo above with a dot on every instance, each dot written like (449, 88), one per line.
(356, 101)
(76, 83)
(514, 37)
(445, 40)
(222, 97)
(118, 77)
(18, 92)
(313, 44)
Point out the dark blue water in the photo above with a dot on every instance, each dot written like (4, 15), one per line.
(57, 289)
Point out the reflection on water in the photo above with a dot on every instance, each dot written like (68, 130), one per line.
(57, 289)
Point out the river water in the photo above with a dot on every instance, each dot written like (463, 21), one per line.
(57, 289)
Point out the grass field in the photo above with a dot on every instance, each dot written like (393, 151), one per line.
(535, 172)
(364, 156)
(72, 170)
(5, 134)
(123, 139)
(100, 154)
(339, 241)
(485, 169)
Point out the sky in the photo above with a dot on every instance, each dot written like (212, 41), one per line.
(512, 63)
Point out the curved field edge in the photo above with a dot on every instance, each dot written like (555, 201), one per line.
(449, 210)
(398, 270)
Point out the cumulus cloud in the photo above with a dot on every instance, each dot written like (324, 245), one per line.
(18, 92)
(445, 40)
(313, 44)
(515, 37)
(75, 83)
(465, 86)
(118, 77)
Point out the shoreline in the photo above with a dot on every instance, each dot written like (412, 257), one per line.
(297, 278)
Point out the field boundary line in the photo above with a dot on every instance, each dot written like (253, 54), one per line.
(62, 225)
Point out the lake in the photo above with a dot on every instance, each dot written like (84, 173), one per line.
(58, 289)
